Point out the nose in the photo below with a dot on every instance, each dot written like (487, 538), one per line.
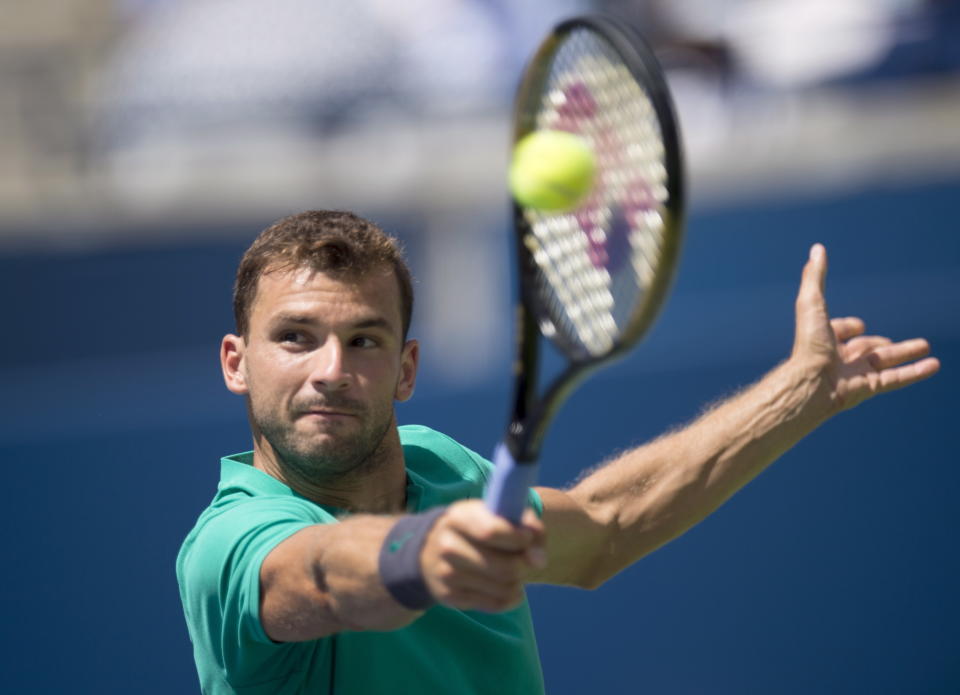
(328, 372)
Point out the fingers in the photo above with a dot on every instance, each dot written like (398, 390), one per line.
(476, 562)
(856, 366)
(857, 347)
(898, 377)
(847, 327)
(474, 559)
(883, 366)
(890, 355)
(474, 578)
(478, 522)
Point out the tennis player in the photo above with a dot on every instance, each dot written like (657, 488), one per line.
(345, 554)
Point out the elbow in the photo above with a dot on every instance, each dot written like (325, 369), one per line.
(289, 616)
(312, 617)
(600, 549)
(601, 566)
(591, 581)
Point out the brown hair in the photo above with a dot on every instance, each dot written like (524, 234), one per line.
(335, 242)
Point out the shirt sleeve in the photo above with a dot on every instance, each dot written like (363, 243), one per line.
(222, 570)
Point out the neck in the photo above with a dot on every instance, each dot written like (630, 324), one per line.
(375, 486)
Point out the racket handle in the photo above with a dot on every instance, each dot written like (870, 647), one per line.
(510, 484)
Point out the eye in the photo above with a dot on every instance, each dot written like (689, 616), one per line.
(290, 337)
(364, 341)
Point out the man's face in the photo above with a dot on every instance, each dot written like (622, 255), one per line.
(323, 360)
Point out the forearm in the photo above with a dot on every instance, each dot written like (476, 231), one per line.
(653, 494)
(330, 578)
(325, 579)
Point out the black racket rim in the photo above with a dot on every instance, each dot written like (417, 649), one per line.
(532, 417)
(638, 57)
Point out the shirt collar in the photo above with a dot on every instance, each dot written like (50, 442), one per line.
(237, 471)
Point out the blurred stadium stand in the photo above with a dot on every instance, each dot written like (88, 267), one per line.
(157, 114)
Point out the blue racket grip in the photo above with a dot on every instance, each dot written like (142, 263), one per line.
(510, 484)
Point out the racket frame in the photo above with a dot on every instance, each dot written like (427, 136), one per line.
(531, 417)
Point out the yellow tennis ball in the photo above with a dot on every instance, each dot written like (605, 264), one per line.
(552, 170)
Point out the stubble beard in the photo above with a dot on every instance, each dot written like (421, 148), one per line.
(343, 460)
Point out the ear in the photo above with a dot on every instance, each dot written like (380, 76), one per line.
(231, 361)
(409, 359)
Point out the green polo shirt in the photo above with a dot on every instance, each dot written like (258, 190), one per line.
(444, 651)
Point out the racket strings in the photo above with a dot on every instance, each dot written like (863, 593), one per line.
(596, 263)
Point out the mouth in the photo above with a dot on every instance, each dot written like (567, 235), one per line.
(328, 414)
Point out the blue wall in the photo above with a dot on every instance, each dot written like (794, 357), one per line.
(835, 571)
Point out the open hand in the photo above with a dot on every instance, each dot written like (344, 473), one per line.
(850, 366)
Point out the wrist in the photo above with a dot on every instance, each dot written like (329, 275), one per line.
(399, 561)
(813, 381)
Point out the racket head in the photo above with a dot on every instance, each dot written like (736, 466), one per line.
(594, 278)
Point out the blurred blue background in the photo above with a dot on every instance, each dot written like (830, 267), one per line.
(146, 143)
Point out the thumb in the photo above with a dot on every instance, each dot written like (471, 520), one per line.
(814, 277)
(813, 321)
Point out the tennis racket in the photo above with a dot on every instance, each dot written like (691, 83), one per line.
(592, 279)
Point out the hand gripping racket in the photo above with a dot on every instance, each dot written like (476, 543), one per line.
(592, 279)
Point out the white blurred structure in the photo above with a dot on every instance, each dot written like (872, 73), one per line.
(791, 43)
(181, 111)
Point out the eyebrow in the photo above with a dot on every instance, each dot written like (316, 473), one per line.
(362, 324)
(374, 322)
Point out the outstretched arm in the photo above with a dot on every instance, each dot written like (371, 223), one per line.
(652, 494)
(325, 579)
